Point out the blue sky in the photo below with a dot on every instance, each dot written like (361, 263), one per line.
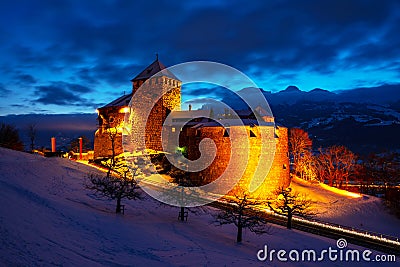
(73, 56)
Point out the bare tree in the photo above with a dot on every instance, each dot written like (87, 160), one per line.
(120, 181)
(113, 134)
(9, 137)
(299, 144)
(306, 168)
(182, 191)
(382, 168)
(181, 179)
(118, 185)
(243, 214)
(291, 204)
(32, 135)
(336, 163)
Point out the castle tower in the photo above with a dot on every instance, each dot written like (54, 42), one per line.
(155, 78)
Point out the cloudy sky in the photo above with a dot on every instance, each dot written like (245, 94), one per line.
(73, 56)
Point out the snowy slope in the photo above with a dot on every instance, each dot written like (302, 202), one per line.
(47, 218)
(364, 212)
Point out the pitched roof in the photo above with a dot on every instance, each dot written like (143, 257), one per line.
(152, 69)
(120, 101)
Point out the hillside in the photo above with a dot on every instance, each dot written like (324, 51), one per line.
(344, 208)
(47, 218)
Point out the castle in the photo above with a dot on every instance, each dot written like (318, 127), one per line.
(200, 126)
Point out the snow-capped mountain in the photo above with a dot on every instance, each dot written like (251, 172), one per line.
(364, 119)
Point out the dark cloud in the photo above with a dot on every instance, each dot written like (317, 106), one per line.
(61, 93)
(96, 47)
(113, 74)
(25, 79)
(18, 105)
(4, 91)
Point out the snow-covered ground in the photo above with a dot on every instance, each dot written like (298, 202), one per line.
(48, 218)
(364, 212)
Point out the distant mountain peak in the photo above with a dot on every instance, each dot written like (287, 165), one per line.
(319, 90)
(251, 89)
(291, 88)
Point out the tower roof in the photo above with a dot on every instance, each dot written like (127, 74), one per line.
(153, 69)
(120, 101)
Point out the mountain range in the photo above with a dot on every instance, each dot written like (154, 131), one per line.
(387, 95)
(364, 119)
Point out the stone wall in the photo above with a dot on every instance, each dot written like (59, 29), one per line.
(113, 117)
(169, 101)
(102, 144)
(110, 121)
(254, 162)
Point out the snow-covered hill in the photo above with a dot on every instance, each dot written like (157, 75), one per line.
(47, 218)
(338, 206)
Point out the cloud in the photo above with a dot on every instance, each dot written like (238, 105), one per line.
(286, 35)
(18, 105)
(61, 93)
(25, 79)
(102, 45)
(4, 91)
(113, 74)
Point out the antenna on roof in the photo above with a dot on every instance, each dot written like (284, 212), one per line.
(156, 56)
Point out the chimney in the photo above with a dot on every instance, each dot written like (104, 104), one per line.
(53, 144)
(190, 107)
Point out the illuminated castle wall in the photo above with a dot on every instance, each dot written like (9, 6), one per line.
(278, 175)
(111, 117)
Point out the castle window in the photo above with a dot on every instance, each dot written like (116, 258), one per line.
(284, 166)
(226, 132)
(252, 134)
(173, 129)
(198, 133)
